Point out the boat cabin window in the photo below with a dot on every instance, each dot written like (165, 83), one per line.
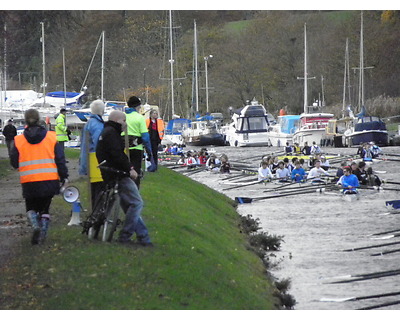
(253, 124)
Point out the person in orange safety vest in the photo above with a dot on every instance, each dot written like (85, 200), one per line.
(156, 132)
(41, 163)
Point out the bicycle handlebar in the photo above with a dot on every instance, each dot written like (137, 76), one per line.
(102, 166)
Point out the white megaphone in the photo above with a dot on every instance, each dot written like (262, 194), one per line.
(71, 195)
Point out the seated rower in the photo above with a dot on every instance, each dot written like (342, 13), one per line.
(325, 163)
(298, 173)
(349, 182)
(213, 163)
(264, 173)
(225, 165)
(282, 173)
(316, 173)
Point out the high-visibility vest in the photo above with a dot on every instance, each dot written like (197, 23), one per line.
(36, 161)
(160, 127)
(61, 128)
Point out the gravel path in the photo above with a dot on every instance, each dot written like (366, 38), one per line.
(14, 228)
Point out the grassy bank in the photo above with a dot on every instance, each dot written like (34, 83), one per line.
(201, 260)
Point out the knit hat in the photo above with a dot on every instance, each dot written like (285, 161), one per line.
(97, 107)
(134, 102)
(32, 117)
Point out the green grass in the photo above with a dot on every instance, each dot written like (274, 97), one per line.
(201, 260)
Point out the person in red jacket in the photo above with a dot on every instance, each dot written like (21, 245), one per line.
(42, 167)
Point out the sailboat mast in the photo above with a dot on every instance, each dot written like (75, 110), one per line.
(44, 66)
(5, 63)
(171, 61)
(65, 82)
(102, 65)
(345, 76)
(195, 67)
(305, 69)
(362, 58)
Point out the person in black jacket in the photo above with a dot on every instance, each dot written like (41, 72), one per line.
(9, 132)
(110, 153)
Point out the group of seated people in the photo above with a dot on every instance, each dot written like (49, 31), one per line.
(306, 150)
(369, 151)
(211, 162)
(294, 170)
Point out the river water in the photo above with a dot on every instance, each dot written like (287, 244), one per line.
(317, 228)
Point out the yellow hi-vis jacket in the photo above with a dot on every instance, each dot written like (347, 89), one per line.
(36, 161)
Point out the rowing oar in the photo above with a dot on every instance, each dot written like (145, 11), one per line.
(384, 252)
(392, 154)
(295, 182)
(392, 303)
(389, 182)
(381, 295)
(384, 232)
(243, 185)
(249, 200)
(368, 276)
(301, 187)
(373, 246)
(196, 171)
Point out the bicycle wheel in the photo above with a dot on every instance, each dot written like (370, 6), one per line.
(96, 218)
(111, 218)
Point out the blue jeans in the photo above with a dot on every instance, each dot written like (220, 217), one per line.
(132, 204)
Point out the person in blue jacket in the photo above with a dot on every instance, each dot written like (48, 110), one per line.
(298, 173)
(348, 181)
(93, 129)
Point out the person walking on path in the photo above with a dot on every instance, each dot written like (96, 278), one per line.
(61, 128)
(41, 163)
(138, 137)
(90, 136)
(156, 132)
(110, 151)
(9, 132)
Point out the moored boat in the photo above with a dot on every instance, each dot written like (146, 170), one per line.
(173, 131)
(282, 132)
(249, 126)
(203, 133)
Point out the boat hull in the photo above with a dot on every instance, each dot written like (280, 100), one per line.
(215, 139)
(309, 135)
(279, 139)
(380, 138)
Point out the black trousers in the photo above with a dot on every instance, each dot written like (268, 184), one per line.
(41, 205)
(154, 150)
(136, 159)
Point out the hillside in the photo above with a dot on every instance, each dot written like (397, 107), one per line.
(255, 54)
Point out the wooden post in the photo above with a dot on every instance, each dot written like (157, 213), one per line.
(89, 185)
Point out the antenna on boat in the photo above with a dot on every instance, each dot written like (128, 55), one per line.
(195, 67)
(44, 84)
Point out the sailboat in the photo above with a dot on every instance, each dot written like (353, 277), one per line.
(336, 128)
(366, 128)
(83, 114)
(175, 126)
(204, 130)
(312, 123)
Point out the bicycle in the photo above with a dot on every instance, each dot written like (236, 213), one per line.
(105, 216)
